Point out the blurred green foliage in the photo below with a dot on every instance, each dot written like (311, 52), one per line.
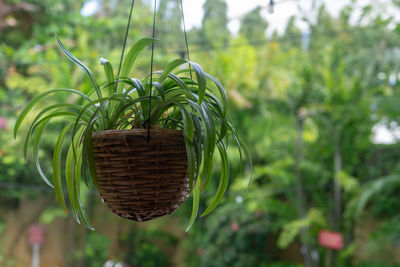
(94, 253)
(143, 247)
(238, 237)
(383, 240)
(337, 80)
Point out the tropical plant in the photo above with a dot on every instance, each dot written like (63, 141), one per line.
(189, 99)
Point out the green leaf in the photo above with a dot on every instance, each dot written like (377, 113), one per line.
(120, 112)
(142, 93)
(57, 168)
(102, 103)
(92, 120)
(201, 80)
(90, 153)
(196, 202)
(210, 142)
(64, 114)
(371, 189)
(237, 140)
(242, 146)
(198, 144)
(73, 170)
(187, 122)
(36, 140)
(170, 67)
(139, 86)
(108, 71)
(76, 183)
(40, 114)
(34, 101)
(216, 105)
(223, 130)
(160, 89)
(191, 157)
(223, 183)
(80, 64)
(132, 55)
(69, 178)
(185, 89)
(222, 93)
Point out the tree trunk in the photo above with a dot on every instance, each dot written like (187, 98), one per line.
(336, 190)
(337, 209)
(300, 204)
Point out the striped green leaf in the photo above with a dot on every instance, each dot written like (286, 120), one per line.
(109, 73)
(223, 182)
(36, 140)
(201, 80)
(196, 202)
(57, 168)
(132, 55)
(80, 64)
(34, 101)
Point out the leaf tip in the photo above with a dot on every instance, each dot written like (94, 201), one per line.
(103, 61)
(56, 36)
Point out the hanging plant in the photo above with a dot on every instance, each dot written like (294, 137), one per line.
(146, 144)
(188, 123)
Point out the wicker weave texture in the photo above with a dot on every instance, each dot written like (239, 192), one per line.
(141, 180)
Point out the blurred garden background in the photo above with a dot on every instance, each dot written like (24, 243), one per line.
(314, 92)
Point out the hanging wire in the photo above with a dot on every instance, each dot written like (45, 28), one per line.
(151, 69)
(124, 44)
(186, 40)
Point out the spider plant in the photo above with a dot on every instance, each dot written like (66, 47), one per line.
(183, 96)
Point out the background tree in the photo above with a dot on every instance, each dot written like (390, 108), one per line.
(253, 26)
(214, 31)
(169, 26)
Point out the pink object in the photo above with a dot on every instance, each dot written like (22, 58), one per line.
(36, 235)
(235, 226)
(3, 123)
(329, 239)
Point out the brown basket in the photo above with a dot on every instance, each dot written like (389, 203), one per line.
(139, 180)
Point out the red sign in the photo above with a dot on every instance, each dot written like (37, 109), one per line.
(329, 239)
(36, 235)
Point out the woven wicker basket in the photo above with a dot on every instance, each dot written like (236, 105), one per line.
(141, 180)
